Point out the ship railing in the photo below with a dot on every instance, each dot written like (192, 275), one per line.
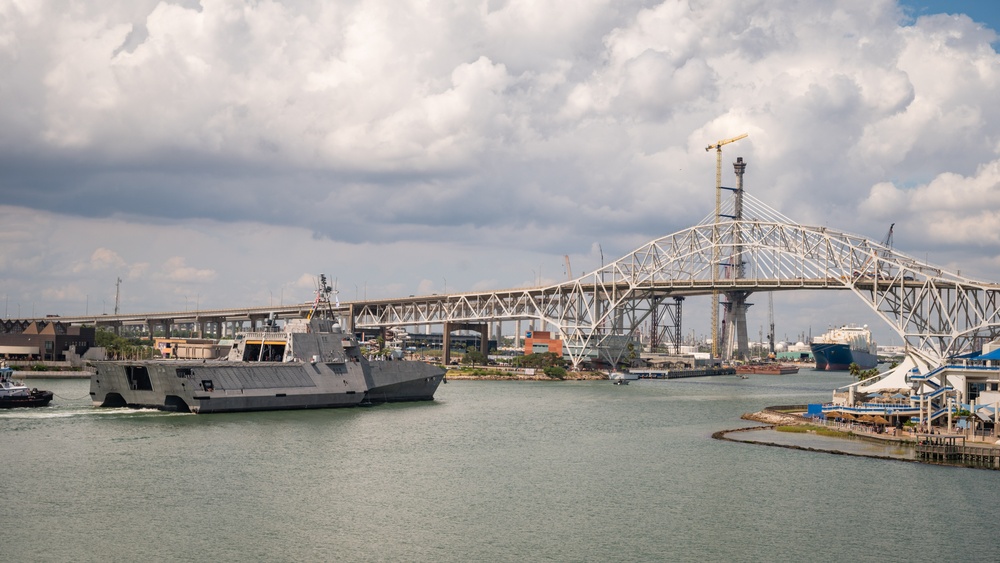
(263, 335)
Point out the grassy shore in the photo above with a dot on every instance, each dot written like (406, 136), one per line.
(488, 374)
(814, 429)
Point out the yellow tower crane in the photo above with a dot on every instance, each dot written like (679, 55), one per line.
(715, 236)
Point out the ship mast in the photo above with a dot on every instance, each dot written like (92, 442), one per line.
(322, 300)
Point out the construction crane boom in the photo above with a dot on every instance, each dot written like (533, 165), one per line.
(715, 235)
(718, 144)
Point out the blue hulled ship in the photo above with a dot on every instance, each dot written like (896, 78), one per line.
(838, 348)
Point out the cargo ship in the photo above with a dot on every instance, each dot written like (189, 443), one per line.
(838, 348)
(304, 364)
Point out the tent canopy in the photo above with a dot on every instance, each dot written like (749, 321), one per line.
(994, 355)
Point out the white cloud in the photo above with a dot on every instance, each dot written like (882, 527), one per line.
(230, 151)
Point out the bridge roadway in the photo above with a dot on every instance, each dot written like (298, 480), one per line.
(932, 310)
(501, 305)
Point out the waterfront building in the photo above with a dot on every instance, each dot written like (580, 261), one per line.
(930, 393)
(50, 341)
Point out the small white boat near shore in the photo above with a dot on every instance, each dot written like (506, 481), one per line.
(622, 377)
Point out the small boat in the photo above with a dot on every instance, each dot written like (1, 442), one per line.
(622, 378)
(16, 394)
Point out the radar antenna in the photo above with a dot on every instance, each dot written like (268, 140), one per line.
(322, 300)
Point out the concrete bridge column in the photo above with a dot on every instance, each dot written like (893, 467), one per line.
(737, 347)
(446, 343)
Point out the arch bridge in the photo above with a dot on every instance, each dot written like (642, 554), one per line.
(937, 312)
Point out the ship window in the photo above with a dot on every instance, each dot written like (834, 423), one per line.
(273, 353)
(185, 372)
(206, 384)
(251, 352)
(256, 352)
(138, 378)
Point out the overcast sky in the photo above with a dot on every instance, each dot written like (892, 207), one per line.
(221, 153)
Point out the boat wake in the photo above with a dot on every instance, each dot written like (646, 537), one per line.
(53, 413)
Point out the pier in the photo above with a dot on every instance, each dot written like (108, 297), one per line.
(951, 448)
(680, 373)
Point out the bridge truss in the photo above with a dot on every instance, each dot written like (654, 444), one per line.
(938, 312)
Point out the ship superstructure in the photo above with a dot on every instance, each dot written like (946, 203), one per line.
(840, 347)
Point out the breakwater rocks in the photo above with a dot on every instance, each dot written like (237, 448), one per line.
(774, 417)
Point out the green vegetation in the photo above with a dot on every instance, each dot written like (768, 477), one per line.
(856, 371)
(544, 360)
(555, 372)
(473, 356)
(485, 372)
(812, 428)
(121, 348)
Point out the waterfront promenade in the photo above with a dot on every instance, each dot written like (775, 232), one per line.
(967, 449)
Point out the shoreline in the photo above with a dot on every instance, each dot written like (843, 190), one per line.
(53, 374)
(570, 376)
(772, 417)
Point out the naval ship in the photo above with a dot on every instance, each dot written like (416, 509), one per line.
(304, 364)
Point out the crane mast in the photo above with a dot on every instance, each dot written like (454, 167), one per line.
(770, 320)
(715, 236)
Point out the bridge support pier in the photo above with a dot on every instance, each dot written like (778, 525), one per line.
(484, 337)
(737, 346)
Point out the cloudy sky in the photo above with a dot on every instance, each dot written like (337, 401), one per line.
(221, 153)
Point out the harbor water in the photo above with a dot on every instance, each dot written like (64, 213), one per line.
(489, 471)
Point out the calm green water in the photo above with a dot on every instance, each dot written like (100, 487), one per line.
(490, 471)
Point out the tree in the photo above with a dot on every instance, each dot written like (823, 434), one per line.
(473, 356)
(543, 360)
(555, 372)
(121, 348)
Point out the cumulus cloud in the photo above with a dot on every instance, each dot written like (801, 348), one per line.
(197, 142)
(951, 211)
(175, 269)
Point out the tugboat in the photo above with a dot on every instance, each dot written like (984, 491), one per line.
(16, 394)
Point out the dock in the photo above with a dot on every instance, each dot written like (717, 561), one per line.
(650, 373)
(951, 448)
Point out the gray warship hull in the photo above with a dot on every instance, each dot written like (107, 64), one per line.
(308, 364)
(219, 386)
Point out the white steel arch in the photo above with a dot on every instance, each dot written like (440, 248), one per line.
(938, 312)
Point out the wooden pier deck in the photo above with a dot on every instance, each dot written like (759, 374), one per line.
(951, 448)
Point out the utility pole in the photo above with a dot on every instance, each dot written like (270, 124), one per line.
(715, 237)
